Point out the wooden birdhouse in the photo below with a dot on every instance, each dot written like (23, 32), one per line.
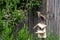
(41, 30)
(41, 27)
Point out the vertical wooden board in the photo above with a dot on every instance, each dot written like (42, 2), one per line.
(53, 15)
(59, 19)
(30, 22)
(51, 7)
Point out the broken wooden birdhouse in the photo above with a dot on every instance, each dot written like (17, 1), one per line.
(41, 27)
(41, 30)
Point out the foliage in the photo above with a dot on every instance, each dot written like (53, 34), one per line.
(52, 36)
(34, 5)
(24, 34)
(11, 14)
(10, 21)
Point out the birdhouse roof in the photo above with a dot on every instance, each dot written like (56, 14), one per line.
(40, 31)
(41, 25)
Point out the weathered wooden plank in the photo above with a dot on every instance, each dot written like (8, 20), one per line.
(58, 21)
(53, 12)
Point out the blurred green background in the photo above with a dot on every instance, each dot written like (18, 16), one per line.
(12, 16)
